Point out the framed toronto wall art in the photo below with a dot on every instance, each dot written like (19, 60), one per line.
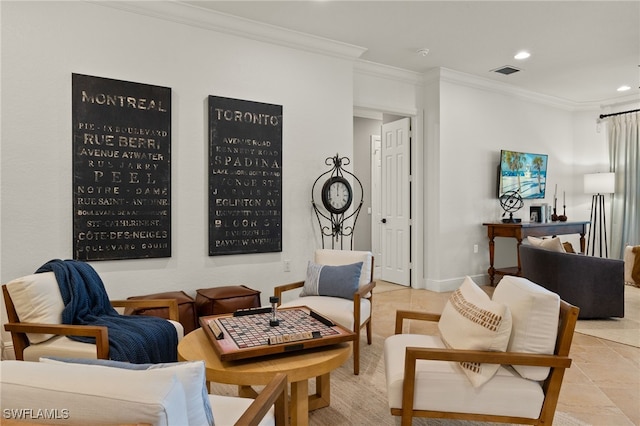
(245, 176)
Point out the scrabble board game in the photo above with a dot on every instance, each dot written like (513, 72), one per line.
(246, 334)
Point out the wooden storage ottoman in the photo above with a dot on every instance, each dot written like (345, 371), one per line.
(226, 299)
(186, 308)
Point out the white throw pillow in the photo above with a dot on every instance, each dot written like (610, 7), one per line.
(535, 315)
(190, 374)
(471, 320)
(629, 261)
(551, 244)
(37, 299)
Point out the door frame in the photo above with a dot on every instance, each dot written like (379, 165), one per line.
(376, 213)
(417, 190)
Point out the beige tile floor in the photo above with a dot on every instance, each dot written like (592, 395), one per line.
(602, 387)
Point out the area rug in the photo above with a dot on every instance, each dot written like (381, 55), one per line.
(622, 330)
(362, 400)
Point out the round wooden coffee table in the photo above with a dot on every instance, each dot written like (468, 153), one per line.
(298, 366)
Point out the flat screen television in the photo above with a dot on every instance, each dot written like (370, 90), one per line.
(522, 172)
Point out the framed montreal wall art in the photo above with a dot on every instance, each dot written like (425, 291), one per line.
(121, 169)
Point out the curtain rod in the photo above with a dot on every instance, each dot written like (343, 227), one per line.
(617, 113)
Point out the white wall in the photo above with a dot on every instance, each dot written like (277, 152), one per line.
(462, 123)
(476, 121)
(44, 43)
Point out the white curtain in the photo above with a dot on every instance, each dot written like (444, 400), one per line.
(624, 158)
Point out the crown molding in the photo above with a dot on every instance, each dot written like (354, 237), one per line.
(195, 16)
(199, 17)
(445, 74)
(622, 103)
(457, 77)
(388, 72)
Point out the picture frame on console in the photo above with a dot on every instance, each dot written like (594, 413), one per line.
(536, 214)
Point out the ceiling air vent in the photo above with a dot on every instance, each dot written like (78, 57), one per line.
(506, 70)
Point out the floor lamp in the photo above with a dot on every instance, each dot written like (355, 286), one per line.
(598, 184)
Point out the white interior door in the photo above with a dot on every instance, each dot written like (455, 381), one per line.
(396, 218)
(376, 204)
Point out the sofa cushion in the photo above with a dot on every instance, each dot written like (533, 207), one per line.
(534, 313)
(506, 393)
(37, 299)
(64, 347)
(551, 244)
(334, 281)
(228, 410)
(632, 265)
(471, 320)
(593, 284)
(92, 394)
(338, 309)
(190, 374)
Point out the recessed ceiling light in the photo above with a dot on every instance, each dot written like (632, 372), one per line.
(623, 88)
(522, 55)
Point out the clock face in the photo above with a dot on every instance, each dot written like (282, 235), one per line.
(337, 195)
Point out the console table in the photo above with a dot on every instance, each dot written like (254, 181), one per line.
(523, 230)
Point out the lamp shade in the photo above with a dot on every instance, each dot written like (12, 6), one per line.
(599, 183)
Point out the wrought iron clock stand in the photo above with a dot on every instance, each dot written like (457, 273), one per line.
(337, 220)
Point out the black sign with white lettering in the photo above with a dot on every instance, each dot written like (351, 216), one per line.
(245, 177)
(121, 169)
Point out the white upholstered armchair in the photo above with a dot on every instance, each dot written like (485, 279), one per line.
(500, 360)
(99, 392)
(340, 290)
(34, 309)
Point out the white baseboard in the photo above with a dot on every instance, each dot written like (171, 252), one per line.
(441, 286)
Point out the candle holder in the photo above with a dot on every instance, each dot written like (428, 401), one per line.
(563, 216)
(554, 216)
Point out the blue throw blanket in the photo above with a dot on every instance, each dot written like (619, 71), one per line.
(137, 339)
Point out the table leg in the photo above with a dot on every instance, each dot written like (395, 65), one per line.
(491, 270)
(519, 274)
(322, 397)
(300, 403)
(247, 392)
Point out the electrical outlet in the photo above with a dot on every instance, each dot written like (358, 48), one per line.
(287, 266)
(475, 248)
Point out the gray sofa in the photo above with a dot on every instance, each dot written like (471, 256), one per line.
(594, 284)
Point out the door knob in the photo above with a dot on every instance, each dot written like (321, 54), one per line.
(384, 221)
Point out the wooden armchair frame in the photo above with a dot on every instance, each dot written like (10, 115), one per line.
(275, 393)
(364, 292)
(19, 329)
(557, 362)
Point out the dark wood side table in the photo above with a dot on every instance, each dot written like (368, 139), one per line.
(523, 230)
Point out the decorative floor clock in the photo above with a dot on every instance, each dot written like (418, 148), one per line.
(340, 202)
